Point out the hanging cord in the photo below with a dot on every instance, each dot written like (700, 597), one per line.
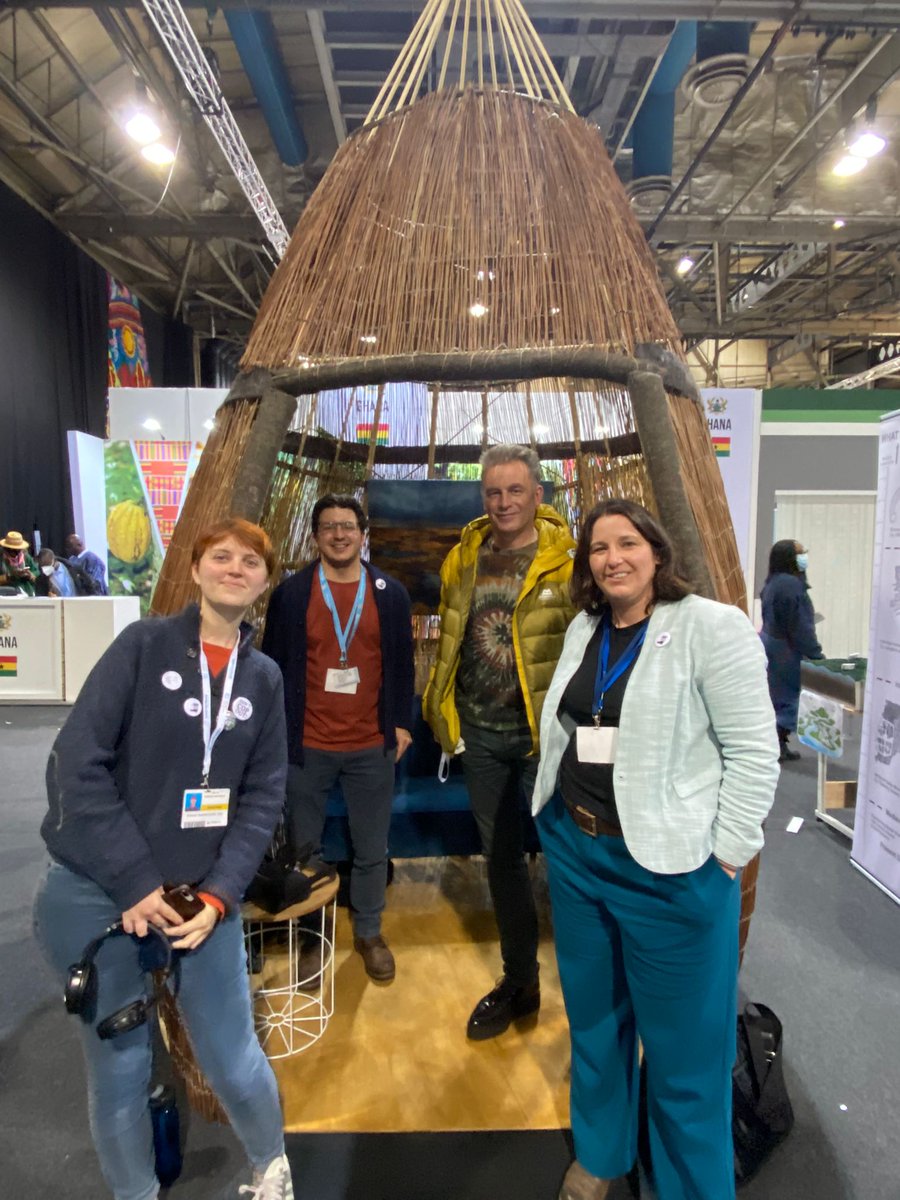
(168, 181)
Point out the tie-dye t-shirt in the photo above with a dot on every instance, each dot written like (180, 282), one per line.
(487, 683)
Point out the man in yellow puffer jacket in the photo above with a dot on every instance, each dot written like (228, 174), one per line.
(505, 608)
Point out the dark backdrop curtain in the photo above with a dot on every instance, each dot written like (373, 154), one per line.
(53, 366)
(170, 349)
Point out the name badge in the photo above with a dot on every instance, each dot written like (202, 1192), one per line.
(205, 808)
(594, 745)
(342, 679)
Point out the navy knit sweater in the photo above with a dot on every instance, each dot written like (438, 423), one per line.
(129, 749)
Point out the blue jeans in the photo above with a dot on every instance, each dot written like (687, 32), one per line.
(367, 782)
(214, 998)
(652, 956)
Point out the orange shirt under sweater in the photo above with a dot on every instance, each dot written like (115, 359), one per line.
(336, 720)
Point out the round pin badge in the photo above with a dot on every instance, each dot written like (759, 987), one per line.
(380, 584)
(663, 639)
(171, 680)
(193, 707)
(242, 708)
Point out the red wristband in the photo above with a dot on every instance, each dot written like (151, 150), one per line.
(217, 904)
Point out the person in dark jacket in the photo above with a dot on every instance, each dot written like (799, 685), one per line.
(170, 770)
(788, 634)
(341, 631)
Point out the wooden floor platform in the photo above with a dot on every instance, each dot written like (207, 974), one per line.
(395, 1058)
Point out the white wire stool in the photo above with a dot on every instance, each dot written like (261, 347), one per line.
(290, 1014)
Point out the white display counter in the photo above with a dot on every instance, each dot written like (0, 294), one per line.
(47, 647)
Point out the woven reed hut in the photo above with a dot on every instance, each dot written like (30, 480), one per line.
(470, 259)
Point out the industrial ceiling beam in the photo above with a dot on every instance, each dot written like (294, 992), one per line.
(883, 14)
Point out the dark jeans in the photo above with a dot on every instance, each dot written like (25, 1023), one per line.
(367, 782)
(497, 771)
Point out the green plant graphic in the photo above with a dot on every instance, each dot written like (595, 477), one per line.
(817, 728)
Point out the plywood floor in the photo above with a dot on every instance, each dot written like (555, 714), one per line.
(395, 1058)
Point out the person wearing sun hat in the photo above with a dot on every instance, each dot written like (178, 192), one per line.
(17, 568)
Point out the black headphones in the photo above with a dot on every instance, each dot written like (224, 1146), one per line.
(82, 982)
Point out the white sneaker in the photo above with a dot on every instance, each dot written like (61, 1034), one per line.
(272, 1184)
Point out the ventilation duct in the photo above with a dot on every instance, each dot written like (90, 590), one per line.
(652, 134)
(254, 37)
(723, 62)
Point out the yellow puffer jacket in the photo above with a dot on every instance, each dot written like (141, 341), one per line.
(542, 615)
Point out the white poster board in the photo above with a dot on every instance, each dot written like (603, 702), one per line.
(30, 650)
(733, 416)
(876, 836)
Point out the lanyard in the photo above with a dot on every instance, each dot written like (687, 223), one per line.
(346, 634)
(211, 736)
(606, 676)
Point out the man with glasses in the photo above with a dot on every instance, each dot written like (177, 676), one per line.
(341, 632)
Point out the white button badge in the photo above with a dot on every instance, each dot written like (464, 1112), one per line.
(663, 639)
(193, 707)
(171, 680)
(242, 708)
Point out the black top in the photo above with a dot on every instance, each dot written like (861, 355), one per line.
(590, 785)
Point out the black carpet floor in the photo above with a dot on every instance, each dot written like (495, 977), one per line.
(824, 952)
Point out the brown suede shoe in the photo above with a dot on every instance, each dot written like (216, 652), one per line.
(580, 1184)
(376, 955)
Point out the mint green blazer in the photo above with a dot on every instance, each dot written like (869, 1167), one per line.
(697, 760)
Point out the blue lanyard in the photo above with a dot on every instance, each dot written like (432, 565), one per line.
(346, 634)
(606, 676)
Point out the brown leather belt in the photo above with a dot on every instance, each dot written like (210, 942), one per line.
(590, 823)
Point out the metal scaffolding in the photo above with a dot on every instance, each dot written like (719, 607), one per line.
(171, 23)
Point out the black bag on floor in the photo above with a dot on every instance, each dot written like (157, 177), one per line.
(762, 1114)
(761, 1109)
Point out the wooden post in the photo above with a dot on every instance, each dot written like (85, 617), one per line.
(654, 425)
(254, 475)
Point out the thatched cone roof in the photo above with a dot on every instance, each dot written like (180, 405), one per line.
(480, 197)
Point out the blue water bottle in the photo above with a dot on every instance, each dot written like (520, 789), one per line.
(166, 1134)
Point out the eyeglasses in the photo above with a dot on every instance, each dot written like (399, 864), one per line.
(336, 526)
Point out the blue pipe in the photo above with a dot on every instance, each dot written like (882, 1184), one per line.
(254, 37)
(654, 127)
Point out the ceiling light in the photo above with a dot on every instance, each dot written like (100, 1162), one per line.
(867, 144)
(478, 309)
(368, 339)
(152, 424)
(554, 312)
(209, 423)
(685, 264)
(838, 223)
(142, 127)
(849, 164)
(158, 154)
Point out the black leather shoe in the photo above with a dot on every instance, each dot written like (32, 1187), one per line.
(496, 1011)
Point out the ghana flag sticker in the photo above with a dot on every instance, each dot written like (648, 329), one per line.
(722, 447)
(8, 666)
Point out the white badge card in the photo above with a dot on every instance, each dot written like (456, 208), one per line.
(342, 679)
(596, 745)
(205, 808)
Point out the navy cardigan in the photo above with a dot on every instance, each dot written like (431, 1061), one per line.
(284, 640)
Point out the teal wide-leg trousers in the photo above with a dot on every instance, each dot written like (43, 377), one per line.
(655, 957)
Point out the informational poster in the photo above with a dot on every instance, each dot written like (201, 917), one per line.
(733, 416)
(876, 837)
(820, 724)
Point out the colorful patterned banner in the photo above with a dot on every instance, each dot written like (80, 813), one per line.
(128, 363)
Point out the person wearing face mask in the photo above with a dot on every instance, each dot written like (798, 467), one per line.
(658, 767)
(788, 634)
(56, 578)
(17, 568)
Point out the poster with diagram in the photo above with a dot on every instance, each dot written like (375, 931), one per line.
(876, 838)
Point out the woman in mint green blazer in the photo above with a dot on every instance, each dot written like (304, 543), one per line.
(659, 761)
